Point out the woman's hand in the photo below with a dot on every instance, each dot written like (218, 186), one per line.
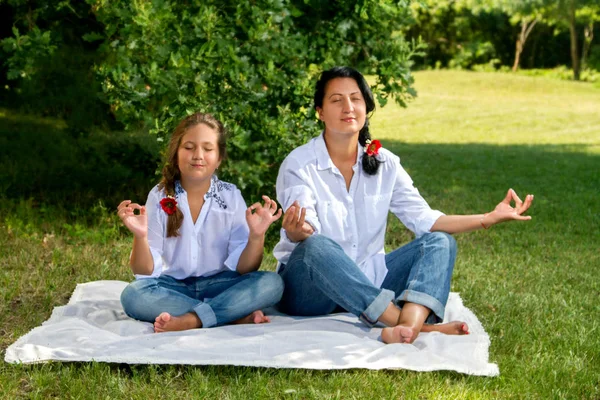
(295, 227)
(505, 212)
(137, 224)
(262, 217)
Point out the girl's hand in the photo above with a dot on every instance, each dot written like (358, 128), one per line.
(505, 212)
(295, 227)
(137, 224)
(260, 217)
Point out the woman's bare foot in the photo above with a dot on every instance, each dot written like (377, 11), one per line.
(405, 334)
(449, 328)
(257, 317)
(166, 322)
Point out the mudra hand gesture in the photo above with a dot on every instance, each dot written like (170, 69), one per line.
(259, 217)
(296, 228)
(136, 223)
(505, 212)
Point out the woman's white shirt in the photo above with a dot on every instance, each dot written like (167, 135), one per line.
(211, 245)
(356, 218)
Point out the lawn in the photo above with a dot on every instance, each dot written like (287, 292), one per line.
(465, 140)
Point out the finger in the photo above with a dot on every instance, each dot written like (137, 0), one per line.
(522, 217)
(135, 206)
(267, 201)
(518, 201)
(288, 217)
(278, 215)
(302, 217)
(273, 206)
(526, 204)
(307, 228)
(508, 197)
(143, 210)
(122, 204)
(255, 206)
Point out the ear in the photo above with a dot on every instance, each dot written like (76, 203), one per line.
(320, 113)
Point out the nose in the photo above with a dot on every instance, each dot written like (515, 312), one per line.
(198, 153)
(347, 105)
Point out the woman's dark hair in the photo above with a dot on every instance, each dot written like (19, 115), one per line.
(171, 173)
(370, 164)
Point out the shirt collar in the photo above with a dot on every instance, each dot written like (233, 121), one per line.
(180, 190)
(323, 159)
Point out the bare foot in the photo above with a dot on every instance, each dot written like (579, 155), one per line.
(449, 328)
(166, 322)
(398, 334)
(257, 317)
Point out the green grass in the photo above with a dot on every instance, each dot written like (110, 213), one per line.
(535, 286)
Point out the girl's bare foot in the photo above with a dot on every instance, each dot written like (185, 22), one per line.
(257, 317)
(450, 328)
(398, 334)
(166, 322)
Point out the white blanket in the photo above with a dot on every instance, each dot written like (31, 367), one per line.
(93, 327)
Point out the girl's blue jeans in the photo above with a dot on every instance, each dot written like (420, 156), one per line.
(217, 299)
(319, 277)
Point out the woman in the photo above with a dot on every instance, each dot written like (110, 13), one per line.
(196, 247)
(337, 191)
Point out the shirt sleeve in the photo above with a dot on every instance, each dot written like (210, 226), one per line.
(238, 238)
(408, 205)
(156, 233)
(292, 184)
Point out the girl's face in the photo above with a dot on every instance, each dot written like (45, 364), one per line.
(198, 154)
(344, 110)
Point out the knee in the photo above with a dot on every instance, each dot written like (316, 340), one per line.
(270, 283)
(319, 247)
(442, 239)
(133, 293)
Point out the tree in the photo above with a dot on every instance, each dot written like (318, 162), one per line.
(526, 13)
(251, 63)
(567, 13)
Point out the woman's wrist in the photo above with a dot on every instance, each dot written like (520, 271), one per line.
(488, 220)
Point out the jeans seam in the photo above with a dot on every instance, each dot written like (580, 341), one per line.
(416, 272)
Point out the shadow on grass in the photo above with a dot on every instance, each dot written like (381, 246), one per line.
(473, 178)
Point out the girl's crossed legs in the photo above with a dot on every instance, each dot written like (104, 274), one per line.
(195, 302)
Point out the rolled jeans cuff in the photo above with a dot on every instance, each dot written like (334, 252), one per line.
(206, 315)
(437, 308)
(377, 307)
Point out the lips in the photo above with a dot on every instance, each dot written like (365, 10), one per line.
(348, 119)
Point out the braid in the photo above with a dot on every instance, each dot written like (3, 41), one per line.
(370, 164)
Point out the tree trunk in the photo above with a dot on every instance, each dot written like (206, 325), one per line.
(526, 27)
(573, 31)
(588, 36)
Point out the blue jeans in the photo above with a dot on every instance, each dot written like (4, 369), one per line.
(319, 277)
(217, 299)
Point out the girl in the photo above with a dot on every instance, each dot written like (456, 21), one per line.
(337, 191)
(196, 246)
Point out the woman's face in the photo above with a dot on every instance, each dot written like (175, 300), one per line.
(344, 110)
(198, 154)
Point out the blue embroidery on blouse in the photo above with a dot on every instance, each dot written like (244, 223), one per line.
(217, 187)
(178, 188)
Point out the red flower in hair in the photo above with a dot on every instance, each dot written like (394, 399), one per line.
(169, 205)
(373, 147)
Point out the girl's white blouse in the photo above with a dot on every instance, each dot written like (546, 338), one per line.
(356, 218)
(213, 244)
